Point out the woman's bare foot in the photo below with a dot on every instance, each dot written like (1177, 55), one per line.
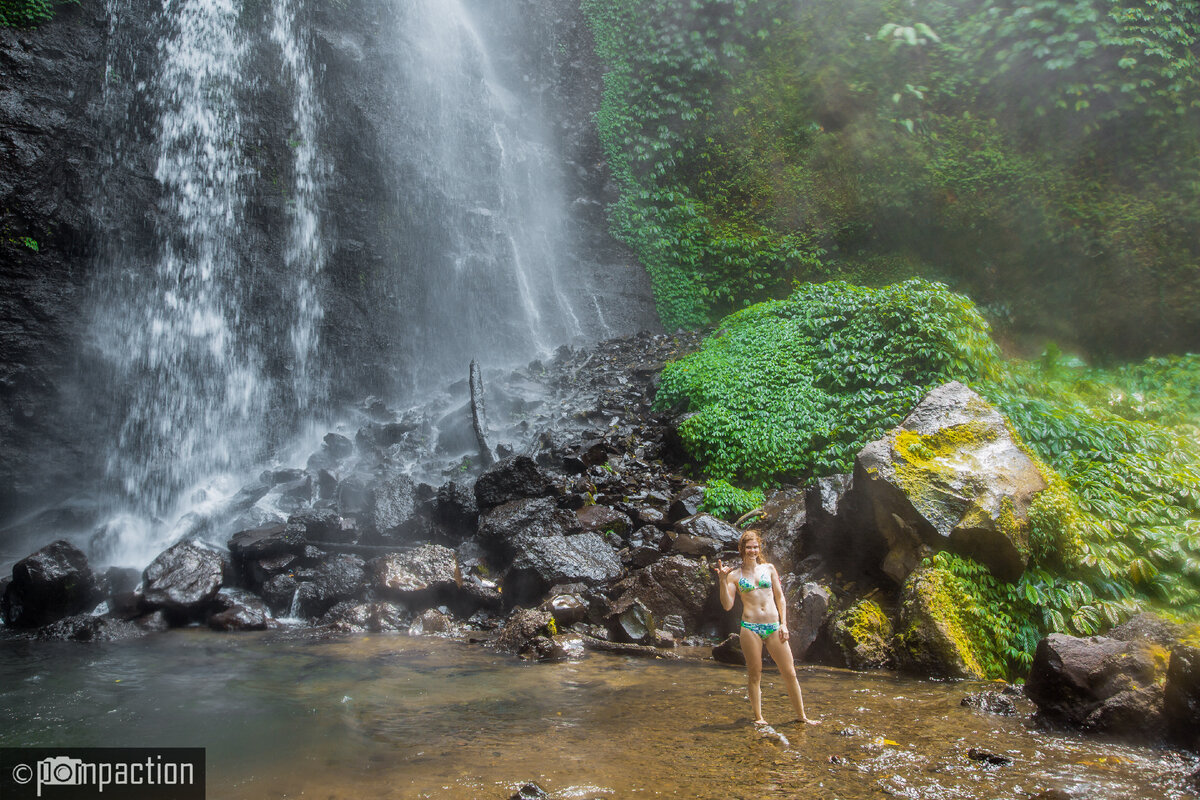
(807, 721)
(759, 721)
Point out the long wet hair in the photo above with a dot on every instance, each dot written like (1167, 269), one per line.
(746, 537)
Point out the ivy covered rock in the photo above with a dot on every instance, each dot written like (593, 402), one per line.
(953, 477)
(863, 633)
(935, 636)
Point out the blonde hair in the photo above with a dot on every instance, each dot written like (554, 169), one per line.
(746, 537)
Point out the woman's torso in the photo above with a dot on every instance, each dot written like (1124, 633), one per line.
(757, 593)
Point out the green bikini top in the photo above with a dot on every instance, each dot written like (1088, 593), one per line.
(763, 582)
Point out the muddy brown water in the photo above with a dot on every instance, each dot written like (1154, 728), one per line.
(421, 717)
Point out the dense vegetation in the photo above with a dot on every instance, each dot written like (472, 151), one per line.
(790, 390)
(1039, 156)
(27, 13)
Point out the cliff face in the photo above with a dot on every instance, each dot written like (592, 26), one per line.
(81, 207)
(49, 134)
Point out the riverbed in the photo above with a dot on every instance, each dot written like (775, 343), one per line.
(394, 716)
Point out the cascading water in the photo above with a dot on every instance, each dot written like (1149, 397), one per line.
(480, 179)
(190, 355)
(215, 343)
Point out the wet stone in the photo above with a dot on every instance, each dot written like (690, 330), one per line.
(729, 651)
(48, 585)
(86, 628)
(183, 578)
(991, 702)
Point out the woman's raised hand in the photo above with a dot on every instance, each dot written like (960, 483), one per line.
(721, 569)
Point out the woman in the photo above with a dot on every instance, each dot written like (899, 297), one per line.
(764, 621)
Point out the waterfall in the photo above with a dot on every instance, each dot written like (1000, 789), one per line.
(480, 177)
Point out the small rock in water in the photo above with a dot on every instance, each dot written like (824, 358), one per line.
(530, 791)
(977, 754)
(767, 732)
(991, 702)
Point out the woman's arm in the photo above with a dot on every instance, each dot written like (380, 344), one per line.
(780, 602)
(724, 585)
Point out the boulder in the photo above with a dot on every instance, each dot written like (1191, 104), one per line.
(781, 528)
(376, 617)
(422, 571)
(320, 525)
(934, 639)
(183, 579)
(809, 608)
(48, 585)
(540, 562)
(501, 526)
(511, 479)
(1100, 684)
(239, 610)
(686, 503)
(604, 521)
(454, 507)
(863, 633)
(1181, 696)
(330, 582)
(673, 585)
(395, 504)
(521, 630)
(86, 628)
(729, 651)
(950, 477)
(706, 526)
(269, 541)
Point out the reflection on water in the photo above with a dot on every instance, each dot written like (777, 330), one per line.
(400, 717)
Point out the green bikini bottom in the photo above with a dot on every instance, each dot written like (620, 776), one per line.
(763, 629)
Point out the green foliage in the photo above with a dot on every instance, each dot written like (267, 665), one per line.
(795, 388)
(723, 499)
(27, 13)
(1041, 157)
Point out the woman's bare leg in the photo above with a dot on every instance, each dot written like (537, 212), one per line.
(752, 650)
(782, 655)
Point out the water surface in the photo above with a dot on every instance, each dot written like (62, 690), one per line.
(407, 717)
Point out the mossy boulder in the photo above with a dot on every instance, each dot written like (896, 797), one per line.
(863, 633)
(953, 477)
(935, 637)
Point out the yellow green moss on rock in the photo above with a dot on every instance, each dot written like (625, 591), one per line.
(863, 633)
(936, 634)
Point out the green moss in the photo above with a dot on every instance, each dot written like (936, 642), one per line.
(941, 630)
(864, 634)
(927, 460)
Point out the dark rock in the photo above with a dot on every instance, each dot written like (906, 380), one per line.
(991, 702)
(48, 585)
(643, 556)
(828, 526)
(696, 546)
(337, 446)
(808, 611)
(567, 609)
(238, 610)
(709, 527)
(279, 592)
(950, 477)
(523, 626)
(275, 477)
(504, 524)
(119, 580)
(154, 622)
(320, 588)
(376, 617)
(539, 562)
(249, 494)
(86, 628)
(673, 585)
(1181, 696)
(295, 493)
(327, 484)
(356, 495)
(988, 757)
(685, 504)
(930, 640)
(1100, 684)
(319, 525)
(781, 529)
(529, 791)
(635, 623)
(511, 479)
(424, 570)
(183, 579)
(1149, 627)
(729, 651)
(455, 508)
(604, 521)
(647, 515)
(395, 503)
(268, 541)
